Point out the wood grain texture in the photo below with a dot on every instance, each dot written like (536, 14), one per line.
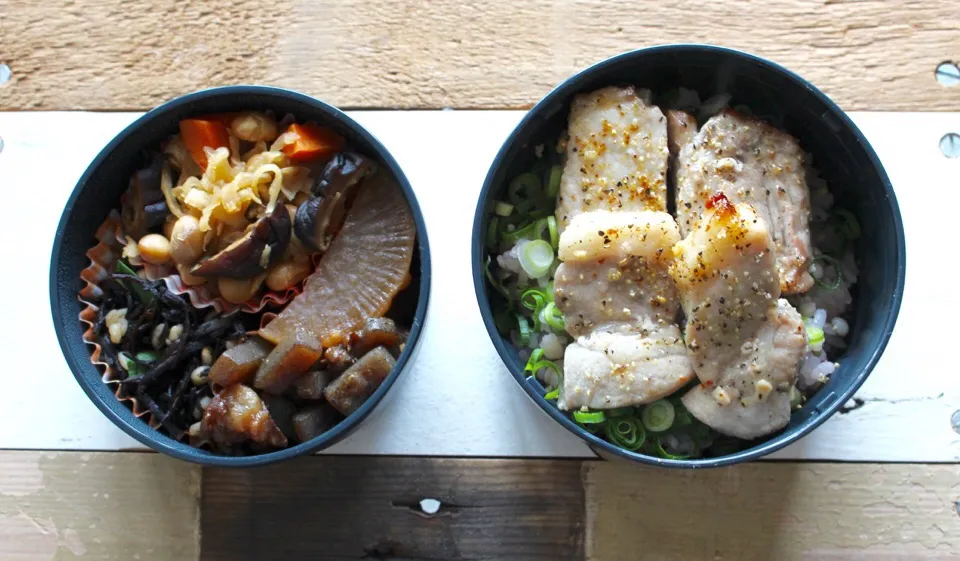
(782, 511)
(98, 507)
(368, 508)
(102, 54)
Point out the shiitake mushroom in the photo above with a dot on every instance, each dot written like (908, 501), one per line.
(144, 207)
(345, 170)
(319, 216)
(250, 256)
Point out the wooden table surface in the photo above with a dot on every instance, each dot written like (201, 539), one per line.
(97, 55)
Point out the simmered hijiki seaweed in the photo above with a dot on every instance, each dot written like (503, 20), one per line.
(210, 319)
(161, 348)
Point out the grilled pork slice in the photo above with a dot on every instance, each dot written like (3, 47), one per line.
(751, 162)
(614, 271)
(609, 369)
(616, 155)
(621, 305)
(746, 343)
(763, 417)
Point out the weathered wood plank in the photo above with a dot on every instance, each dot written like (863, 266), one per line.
(368, 508)
(122, 505)
(97, 506)
(782, 511)
(101, 54)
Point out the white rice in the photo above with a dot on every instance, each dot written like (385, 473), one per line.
(822, 307)
(552, 346)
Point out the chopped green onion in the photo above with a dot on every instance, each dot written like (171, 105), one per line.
(588, 417)
(503, 319)
(544, 363)
(536, 257)
(493, 282)
(133, 369)
(682, 417)
(554, 234)
(534, 300)
(849, 223)
(147, 356)
(142, 295)
(535, 357)
(814, 335)
(524, 328)
(502, 209)
(536, 362)
(593, 428)
(552, 316)
(658, 416)
(825, 259)
(492, 228)
(529, 231)
(702, 435)
(625, 432)
(620, 412)
(524, 189)
(553, 185)
(667, 455)
(540, 229)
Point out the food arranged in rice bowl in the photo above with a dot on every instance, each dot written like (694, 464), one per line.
(250, 289)
(674, 273)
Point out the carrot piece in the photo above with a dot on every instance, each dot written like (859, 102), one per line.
(312, 142)
(200, 133)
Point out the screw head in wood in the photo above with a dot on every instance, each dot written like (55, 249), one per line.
(430, 506)
(950, 145)
(948, 73)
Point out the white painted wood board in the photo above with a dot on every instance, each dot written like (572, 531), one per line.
(458, 399)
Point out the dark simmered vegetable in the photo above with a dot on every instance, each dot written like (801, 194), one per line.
(250, 256)
(291, 359)
(205, 251)
(348, 392)
(239, 364)
(310, 386)
(338, 357)
(360, 273)
(376, 332)
(313, 421)
(345, 170)
(144, 206)
(281, 411)
(318, 219)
